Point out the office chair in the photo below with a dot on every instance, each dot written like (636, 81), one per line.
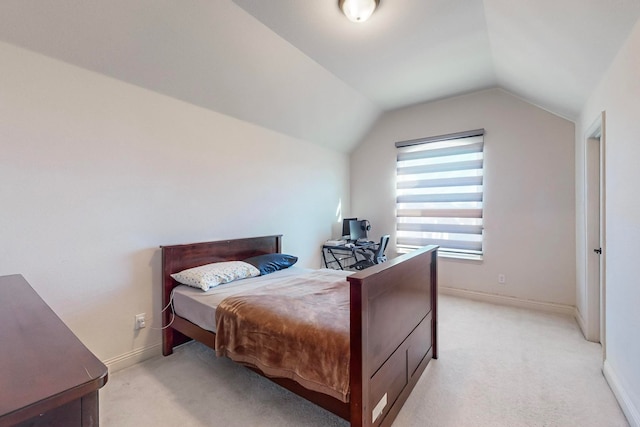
(372, 256)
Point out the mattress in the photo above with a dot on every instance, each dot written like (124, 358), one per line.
(200, 307)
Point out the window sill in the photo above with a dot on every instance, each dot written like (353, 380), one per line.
(466, 257)
(449, 255)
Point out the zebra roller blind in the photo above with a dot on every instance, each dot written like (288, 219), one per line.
(440, 192)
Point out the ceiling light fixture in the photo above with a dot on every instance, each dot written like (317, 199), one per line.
(358, 10)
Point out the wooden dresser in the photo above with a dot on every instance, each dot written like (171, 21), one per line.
(47, 376)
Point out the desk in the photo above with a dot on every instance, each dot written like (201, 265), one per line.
(47, 376)
(341, 257)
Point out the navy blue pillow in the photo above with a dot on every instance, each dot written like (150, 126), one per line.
(269, 263)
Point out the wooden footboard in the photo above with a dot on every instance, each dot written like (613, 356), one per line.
(393, 324)
(393, 334)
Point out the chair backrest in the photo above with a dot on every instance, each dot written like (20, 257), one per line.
(380, 256)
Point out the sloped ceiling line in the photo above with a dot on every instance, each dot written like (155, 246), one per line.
(302, 69)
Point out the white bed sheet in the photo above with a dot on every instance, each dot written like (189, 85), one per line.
(200, 307)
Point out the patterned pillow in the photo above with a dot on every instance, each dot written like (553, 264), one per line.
(208, 276)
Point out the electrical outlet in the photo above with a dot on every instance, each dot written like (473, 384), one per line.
(502, 279)
(140, 321)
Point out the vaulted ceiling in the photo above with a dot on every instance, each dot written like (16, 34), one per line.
(301, 68)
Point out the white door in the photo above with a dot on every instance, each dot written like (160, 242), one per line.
(595, 235)
(593, 249)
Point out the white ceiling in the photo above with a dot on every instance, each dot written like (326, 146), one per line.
(301, 68)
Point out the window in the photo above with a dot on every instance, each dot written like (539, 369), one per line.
(439, 193)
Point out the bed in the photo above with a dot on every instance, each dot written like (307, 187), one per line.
(392, 332)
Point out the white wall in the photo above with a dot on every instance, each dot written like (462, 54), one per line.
(618, 94)
(529, 206)
(97, 174)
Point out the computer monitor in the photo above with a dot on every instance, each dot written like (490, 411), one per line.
(358, 230)
(346, 231)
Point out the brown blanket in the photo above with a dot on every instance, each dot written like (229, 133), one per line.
(297, 329)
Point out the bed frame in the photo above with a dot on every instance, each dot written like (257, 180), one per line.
(393, 324)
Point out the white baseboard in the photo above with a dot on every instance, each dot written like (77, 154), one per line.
(511, 301)
(132, 357)
(581, 323)
(630, 410)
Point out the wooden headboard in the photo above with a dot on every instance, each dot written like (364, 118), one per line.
(179, 257)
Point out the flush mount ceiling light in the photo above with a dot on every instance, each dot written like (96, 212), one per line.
(358, 10)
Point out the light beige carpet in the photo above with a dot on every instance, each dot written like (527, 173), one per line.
(498, 366)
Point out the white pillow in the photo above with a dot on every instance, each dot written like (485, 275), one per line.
(210, 275)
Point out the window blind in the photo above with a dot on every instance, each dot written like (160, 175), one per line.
(440, 192)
